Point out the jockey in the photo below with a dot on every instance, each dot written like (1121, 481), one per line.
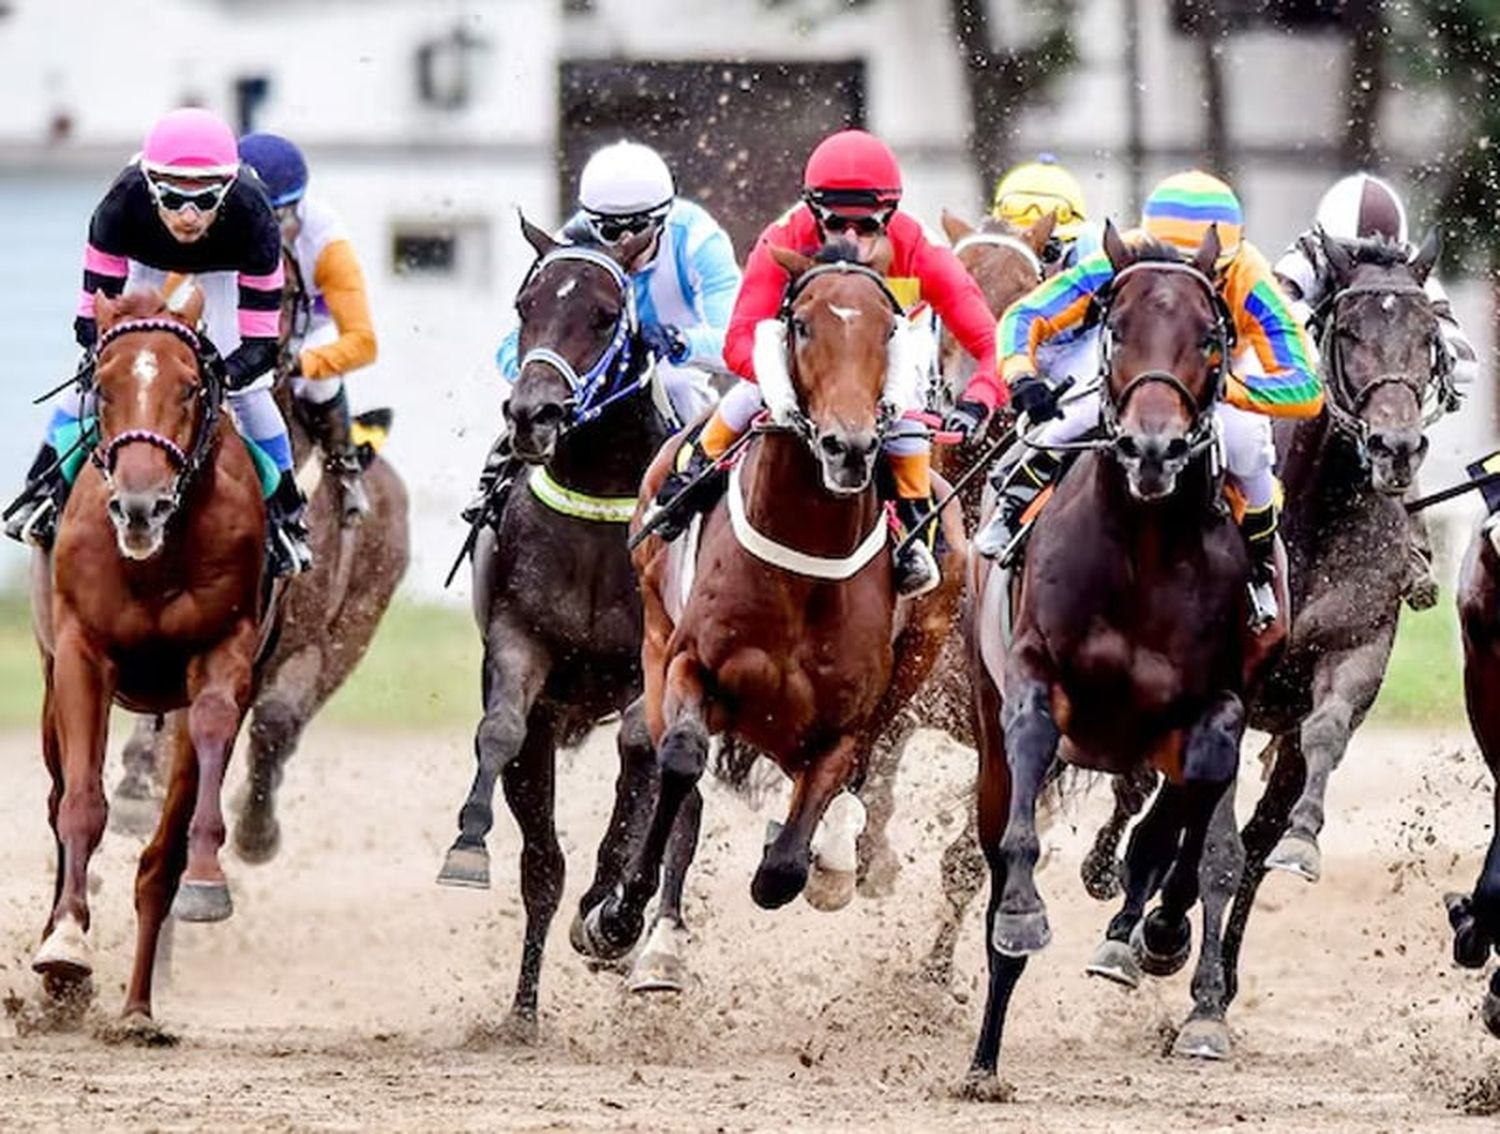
(1031, 190)
(185, 205)
(684, 282)
(1274, 374)
(851, 186)
(1360, 207)
(333, 310)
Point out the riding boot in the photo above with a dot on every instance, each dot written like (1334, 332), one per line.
(694, 485)
(286, 532)
(1258, 527)
(917, 570)
(500, 469)
(1017, 489)
(330, 424)
(32, 515)
(1421, 585)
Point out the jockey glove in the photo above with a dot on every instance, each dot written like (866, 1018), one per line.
(665, 341)
(966, 419)
(1035, 398)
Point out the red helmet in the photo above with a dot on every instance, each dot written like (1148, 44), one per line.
(853, 172)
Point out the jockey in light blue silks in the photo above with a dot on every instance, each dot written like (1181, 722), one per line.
(684, 282)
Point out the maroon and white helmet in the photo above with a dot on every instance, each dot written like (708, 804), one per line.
(1362, 206)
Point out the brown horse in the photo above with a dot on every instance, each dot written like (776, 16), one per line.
(1129, 643)
(791, 637)
(152, 599)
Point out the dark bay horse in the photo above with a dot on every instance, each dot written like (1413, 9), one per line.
(554, 593)
(790, 636)
(152, 599)
(1129, 642)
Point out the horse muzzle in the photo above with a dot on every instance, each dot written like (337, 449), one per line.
(1152, 462)
(1394, 460)
(848, 459)
(140, 520)
(535, 432)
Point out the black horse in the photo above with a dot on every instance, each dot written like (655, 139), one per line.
(554, 592)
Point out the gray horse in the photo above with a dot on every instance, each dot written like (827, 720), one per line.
(554, 592)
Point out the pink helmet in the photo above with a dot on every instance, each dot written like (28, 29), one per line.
(191, 142)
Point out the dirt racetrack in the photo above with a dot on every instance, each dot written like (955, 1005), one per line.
(350, 992)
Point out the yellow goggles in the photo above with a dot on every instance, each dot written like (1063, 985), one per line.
(1028, 208)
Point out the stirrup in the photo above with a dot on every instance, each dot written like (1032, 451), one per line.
(290, 553)
(1263, 605)
(34, 523)
(917, 571)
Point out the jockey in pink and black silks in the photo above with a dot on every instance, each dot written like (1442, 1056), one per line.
(186, 205)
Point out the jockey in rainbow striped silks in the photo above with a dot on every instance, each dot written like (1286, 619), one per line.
(684, 281)
(186, 206)
(1274, 373)
(332, 332)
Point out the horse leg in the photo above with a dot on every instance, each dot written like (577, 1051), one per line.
(80, 688)
(219, 692)
(962, 871)
(878, 865)
(635, 797)
(137, 798)
(614, 926)
(787, 859)
(1148, 855)
(529, 781)
(660, 967)
(1205, 1035)
(157, 877)
(1031, 737)
(515, 668)
(1344, 686)
(994, 805)
(280, 713)
(1103, 874)
(1211, 759)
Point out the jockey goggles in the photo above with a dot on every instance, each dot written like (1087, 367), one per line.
(175, 198)
(612, 229)
(1028, 208)
(834, 223)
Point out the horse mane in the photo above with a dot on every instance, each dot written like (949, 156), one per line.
(1378, 249)
(141, 304)
(1141, 248)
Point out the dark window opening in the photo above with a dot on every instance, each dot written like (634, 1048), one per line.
(429, 254)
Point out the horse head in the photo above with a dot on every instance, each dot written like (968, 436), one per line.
(843, 331)
(1165, 344)
(1383, 354)
(577, 335)
(1006, 263)
(152, 407)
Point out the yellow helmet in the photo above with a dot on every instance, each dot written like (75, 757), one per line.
(1031, 190)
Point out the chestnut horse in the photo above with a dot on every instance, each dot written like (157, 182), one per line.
(152, 599)
(1129, 642)
(791, 637)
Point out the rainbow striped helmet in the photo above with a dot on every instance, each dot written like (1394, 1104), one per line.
(1181, 208)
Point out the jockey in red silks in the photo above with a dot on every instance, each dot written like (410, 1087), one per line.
(851, 190)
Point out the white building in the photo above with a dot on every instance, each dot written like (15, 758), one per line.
(428, 122)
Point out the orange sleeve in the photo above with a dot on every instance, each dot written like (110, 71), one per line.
(342, 285)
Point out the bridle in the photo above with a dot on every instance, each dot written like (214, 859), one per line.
(612, 375)
(1002, 240)
(210, 393)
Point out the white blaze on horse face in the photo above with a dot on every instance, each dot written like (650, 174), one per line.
(847, 314)
(145, 372)
(566, 289)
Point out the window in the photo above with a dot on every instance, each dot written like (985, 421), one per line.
(456, 251)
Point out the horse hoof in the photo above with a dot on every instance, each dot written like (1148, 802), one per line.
(64, 957)
(775, 885)
(202, 901)
(1203, 1039)
(1159, 964)
(1115, 961)
(1103, 877)
(466, 866)
(984, 1087)
(828, 890)
(135, 815)
(139, 1029)
(257, 842)
(1020, 935)
(519, 1029)
(1299, 855)
(660, 967)
(590, 939)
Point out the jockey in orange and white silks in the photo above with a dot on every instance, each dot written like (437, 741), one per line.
(332, 332)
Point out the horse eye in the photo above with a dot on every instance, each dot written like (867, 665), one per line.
(799, 327)
(603, 319)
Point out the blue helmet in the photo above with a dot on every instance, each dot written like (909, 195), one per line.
(280, 165)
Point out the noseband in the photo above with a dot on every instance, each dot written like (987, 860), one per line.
(210, 392)
(609, 378)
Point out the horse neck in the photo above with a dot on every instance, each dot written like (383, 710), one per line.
(785, 500)
(1322, 473)
(608, 456)
(1158, 529)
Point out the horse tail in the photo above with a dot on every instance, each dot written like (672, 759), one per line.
(734, 766)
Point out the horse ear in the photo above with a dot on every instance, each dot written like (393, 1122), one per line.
(793, 263)
(1340, 259)
(185, 301)
(1040, 232)
(1114, 246)
(955, 227)
(104, 310)
(538, 239)
(1208, 252)
(1427, 255)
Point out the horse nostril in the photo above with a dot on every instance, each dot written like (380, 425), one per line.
(833, 447)
(547, 415)
(1177, 449)
(116, 509)
(1128, 447)
(162, 507)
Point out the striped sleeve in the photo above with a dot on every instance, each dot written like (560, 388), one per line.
(260, 303)
(1289, 386)
(102, 271)
(1060, 304)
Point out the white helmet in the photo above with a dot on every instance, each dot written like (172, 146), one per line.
(1361, 206)
(624, 180)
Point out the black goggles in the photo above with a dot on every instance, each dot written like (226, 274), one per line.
(612, 230)
(834, 223)
(176, 198)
